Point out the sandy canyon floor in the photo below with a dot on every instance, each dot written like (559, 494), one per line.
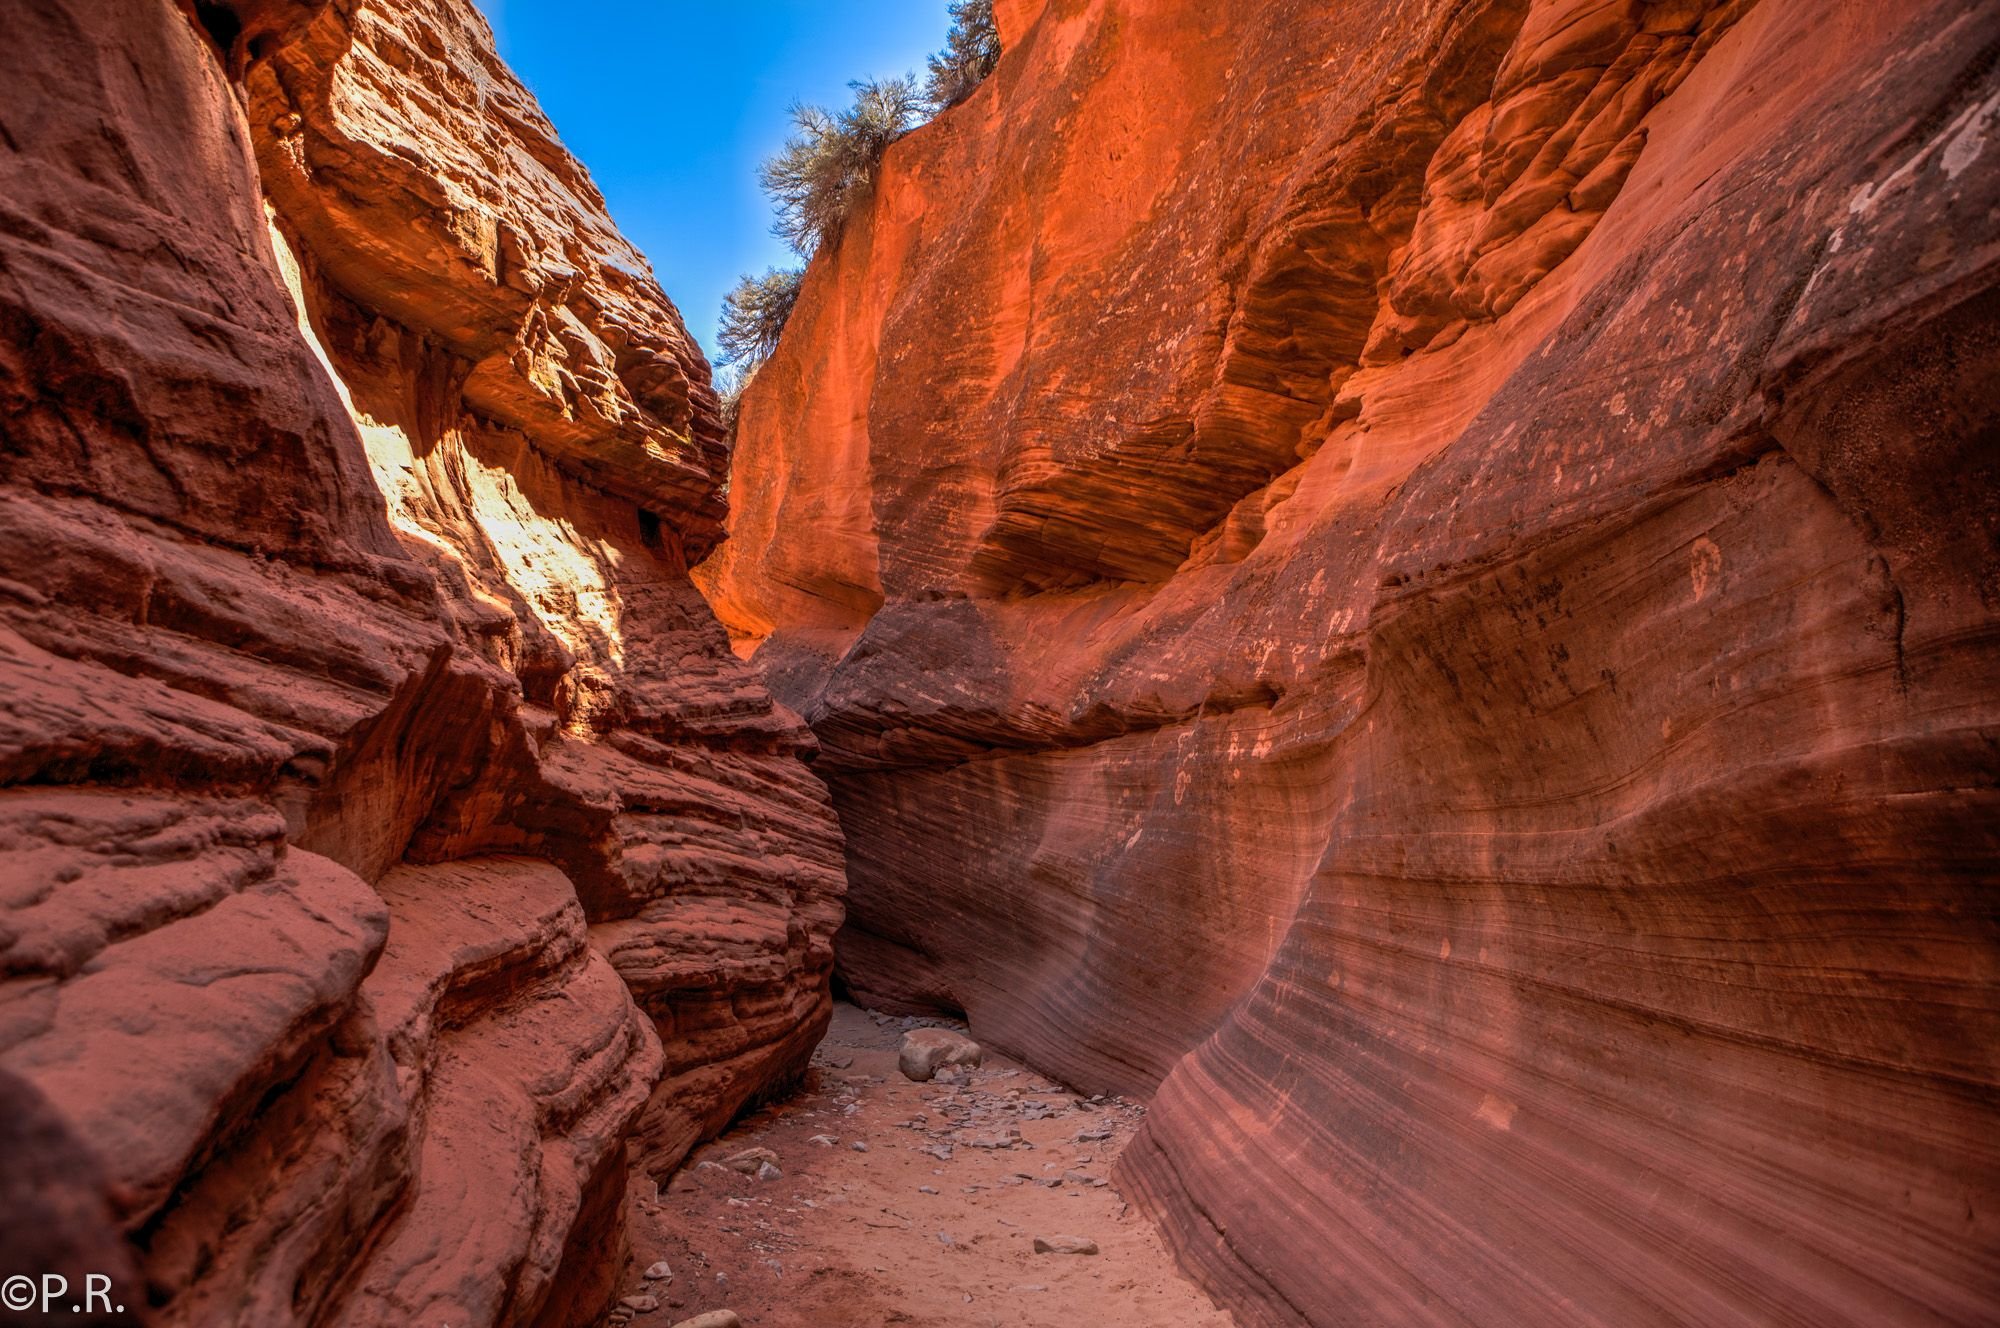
(909, 1203)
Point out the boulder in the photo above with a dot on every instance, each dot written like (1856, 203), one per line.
(924, 1050)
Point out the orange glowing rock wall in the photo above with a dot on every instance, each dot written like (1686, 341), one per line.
(1420, 582)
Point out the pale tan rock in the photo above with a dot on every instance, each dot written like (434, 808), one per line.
(1065, 1245)
(924, 1051)
(750, 1160)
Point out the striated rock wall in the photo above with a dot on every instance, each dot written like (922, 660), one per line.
(1421, 581)
(390, 835)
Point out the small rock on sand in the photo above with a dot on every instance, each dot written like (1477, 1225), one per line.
(1065, 1245)
(1011, 1139)
(659, 1272)
(712, 1319)
(923, 1050)
(750, 1161)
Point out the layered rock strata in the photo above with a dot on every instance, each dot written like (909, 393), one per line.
(390, 835)
(1422, 582)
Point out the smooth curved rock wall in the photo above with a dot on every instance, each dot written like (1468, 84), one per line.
(1419, 582)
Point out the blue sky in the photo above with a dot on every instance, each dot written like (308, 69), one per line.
(673, 103)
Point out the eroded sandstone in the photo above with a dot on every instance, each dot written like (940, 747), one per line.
(1420, 581)
(391, 836)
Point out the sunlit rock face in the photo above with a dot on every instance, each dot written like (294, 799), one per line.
(1419, 581)
(390, 836)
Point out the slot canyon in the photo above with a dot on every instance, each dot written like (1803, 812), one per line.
(1395, 604)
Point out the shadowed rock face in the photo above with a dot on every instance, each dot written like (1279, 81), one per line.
(389, 833)
(1422, 581)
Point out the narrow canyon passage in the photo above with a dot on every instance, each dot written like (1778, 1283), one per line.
(1403, 595)
(890, 1201)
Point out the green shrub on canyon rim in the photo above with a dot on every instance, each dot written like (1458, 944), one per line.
(971, 50)
(828, 164)
(754, 314)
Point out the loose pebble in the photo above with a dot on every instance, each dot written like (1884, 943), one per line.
(964, 1117)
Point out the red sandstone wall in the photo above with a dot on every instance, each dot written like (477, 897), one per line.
(1421, 581)
(389, 833)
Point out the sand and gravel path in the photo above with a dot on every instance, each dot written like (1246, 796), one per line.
(931, 1221)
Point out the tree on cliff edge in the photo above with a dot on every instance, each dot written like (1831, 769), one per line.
(828, 164)
(971, 50)
(754, 314)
